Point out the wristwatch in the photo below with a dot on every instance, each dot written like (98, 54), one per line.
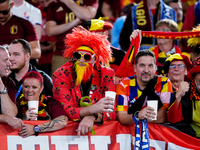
(5, 91)
(36, 129)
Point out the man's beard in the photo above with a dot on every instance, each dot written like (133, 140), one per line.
(16, 70)
(5, 19)
(145, 81)
(83, 73)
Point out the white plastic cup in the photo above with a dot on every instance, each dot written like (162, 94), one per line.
(111, 94)
(33, 104)
(154, 104)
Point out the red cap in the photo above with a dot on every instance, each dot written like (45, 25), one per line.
(195, 68)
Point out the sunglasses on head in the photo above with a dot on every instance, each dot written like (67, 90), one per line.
(86, 56)
(5, 12)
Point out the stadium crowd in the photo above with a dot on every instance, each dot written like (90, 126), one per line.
(68, 54)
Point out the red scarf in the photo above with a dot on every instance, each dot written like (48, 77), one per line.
(170, 35)
(126, 67)
(143, 20)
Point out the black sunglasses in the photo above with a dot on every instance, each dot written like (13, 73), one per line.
(5, 12)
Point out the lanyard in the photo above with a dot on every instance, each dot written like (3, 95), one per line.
(20, 88)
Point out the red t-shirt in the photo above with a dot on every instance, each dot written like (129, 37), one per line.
(17, 28)
(46, 58)
(189, 21)
(115, 5)
(61, 14)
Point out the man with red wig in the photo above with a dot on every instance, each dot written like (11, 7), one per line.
(80, 84)
(102, 27)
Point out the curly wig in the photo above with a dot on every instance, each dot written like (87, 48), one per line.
(82, 37)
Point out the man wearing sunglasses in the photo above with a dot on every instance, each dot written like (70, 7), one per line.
(62, 16)
(102, 27)
(13, 27)
(176, 67)
(81, 83)
(184, 110)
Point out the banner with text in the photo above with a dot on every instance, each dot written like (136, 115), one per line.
(110, 136)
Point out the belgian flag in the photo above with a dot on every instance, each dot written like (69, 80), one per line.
(126, 67)
(13, 29)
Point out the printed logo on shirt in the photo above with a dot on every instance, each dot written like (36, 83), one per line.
(13, 29)
(79, 2)
(59, 9)
(69, 17)
(26, 15)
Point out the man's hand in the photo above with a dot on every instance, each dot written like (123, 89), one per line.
(14, 122)
(78, 21)
(85, 125)
(102, 105)
(183, 88)
(26, 130)
(148, 113)
(135, 33)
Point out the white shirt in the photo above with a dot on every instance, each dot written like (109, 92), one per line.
(28, 12)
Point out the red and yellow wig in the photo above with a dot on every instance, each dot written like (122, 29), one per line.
(80, 37)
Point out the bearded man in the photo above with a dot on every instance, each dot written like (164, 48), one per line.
(20, 54)
(81, 83)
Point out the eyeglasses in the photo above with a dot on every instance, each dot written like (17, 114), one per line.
(163, 29)
(180, 66)
(86, 56)
(5, 12)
